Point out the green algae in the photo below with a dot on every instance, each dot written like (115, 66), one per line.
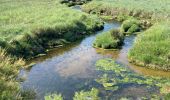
(87, 95)
(116, 75)
(53, 97)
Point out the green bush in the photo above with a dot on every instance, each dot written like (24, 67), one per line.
(109, 40)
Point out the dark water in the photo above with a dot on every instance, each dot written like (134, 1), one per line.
(71, 68)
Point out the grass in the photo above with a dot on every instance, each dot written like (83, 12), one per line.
(9, 69)
(152, 9)
(110, 40)
(27, 28)
(130, 26)
(151, 48)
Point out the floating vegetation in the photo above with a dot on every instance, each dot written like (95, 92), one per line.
(115, 75)
(53, 97)
(88, 95)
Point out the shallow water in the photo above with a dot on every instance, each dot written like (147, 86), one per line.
(71, 68)
(63, 70)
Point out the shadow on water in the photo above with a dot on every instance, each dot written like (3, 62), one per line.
(71, 68)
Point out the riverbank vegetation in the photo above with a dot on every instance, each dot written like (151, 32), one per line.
(28, 28)
(9, 69)
(151, 48)
(112, 39)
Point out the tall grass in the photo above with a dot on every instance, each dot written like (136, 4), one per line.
(152, 48)
(153, 9)
(28, 27)
(9, 69)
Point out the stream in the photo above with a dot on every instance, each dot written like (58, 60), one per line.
(71, 68)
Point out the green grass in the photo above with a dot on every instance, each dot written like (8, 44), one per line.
(151, 48)
(130, 26)
(109, 40)
(27, 28)
(154, 9)
(9, 69)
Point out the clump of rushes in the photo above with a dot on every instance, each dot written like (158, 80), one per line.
(152, 48)
(109, 40)
(90, 95)
(9, 69)
(130, 26)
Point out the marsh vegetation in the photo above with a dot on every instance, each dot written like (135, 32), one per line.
(29, 28)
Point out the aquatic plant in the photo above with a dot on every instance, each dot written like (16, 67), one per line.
(53, 97)
(109, 40)
(116, 75)
(87, 95)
